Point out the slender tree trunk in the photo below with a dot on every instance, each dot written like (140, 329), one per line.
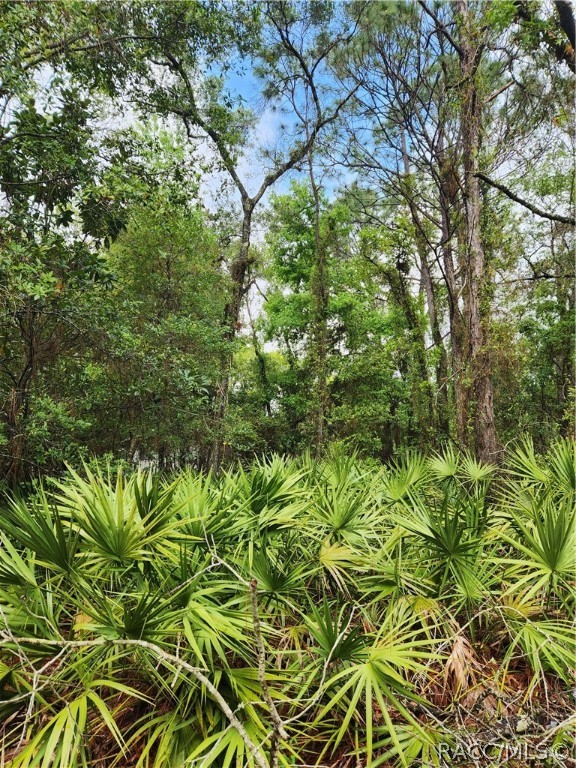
(477, 280)
(319, 289)
(565, 291)
(415, 368)
(423, 403)
(440, 413)
(15, 418)
(448, 195)
(442, 364)
(14, 428)
(18, 401)
(238, 275)
(262, 372)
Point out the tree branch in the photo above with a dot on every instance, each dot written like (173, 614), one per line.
(169, 658)
(563, 51)
(279, 732)
(441, 27)
(194, 113)
(567, 22)
(525, 203)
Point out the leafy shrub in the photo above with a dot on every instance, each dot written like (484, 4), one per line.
(389, 603)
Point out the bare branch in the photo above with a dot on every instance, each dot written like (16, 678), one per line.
(162, 655)
(441, 27)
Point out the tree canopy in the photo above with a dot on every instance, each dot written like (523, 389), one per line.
(282, 226)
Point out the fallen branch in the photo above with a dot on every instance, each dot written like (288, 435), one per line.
(163, 656)
(279, 732)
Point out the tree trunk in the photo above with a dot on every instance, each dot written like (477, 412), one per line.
(14, 428)
(474, 260)
(442, 364)
(262, 372)
(416, 368)
(440, 413)
(319, 290)
(238, 272)
(448, 195)
(18, 400)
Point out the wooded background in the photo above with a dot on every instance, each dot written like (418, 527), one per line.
(232, 229)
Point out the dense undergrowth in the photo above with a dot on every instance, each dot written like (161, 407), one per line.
(405, 615)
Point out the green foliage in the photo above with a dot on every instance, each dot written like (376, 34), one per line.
(368, 385)
(163, 329)
(116, 276)
(381, 591)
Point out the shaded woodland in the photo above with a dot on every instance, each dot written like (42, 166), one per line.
(230, 230)
(287, 459)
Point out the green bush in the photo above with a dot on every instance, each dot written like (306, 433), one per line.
(154, 621)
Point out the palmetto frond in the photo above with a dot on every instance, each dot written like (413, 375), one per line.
(127, 633)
